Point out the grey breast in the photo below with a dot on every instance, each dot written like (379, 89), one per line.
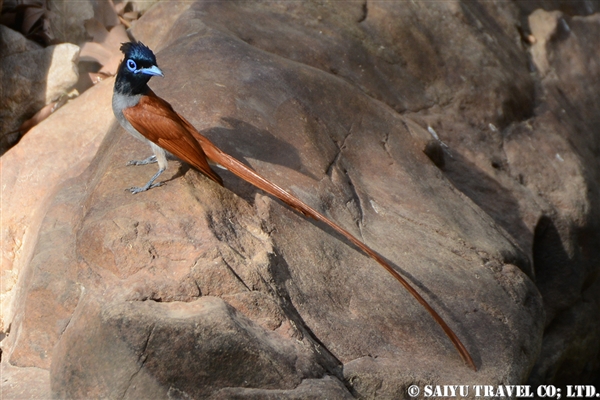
(121, 102)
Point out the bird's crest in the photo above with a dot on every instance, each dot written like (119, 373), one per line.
(138, 50)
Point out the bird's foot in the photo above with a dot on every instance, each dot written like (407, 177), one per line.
(135, 189)
(149, 160)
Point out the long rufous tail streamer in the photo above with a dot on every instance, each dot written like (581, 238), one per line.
(236, 167)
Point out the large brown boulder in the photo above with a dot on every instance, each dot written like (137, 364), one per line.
(420, 129)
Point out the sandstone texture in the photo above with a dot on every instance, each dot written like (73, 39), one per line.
(59, 149)
(30, 77)
(439, 133)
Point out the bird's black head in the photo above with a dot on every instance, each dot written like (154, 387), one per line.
(136, 69)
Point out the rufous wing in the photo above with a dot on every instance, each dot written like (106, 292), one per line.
(156, 120)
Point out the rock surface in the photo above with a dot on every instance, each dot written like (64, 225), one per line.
(30, 77)
(51, 153)
(565, 249)
(24, 383)
(420, 128)
(62, 73)
(67, 19)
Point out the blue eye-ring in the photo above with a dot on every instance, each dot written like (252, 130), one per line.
(131, 65)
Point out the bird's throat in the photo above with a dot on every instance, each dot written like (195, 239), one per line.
(130, 84)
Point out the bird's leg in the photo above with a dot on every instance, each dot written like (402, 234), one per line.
(160, 156)
(149, 160)
(148, 185)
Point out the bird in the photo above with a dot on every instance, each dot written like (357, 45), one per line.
(153, 120)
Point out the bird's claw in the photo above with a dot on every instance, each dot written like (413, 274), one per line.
(149, 160)
(135, 189)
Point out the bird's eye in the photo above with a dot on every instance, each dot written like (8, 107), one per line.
(131, 65)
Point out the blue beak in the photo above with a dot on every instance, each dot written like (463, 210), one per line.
(152, 71)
